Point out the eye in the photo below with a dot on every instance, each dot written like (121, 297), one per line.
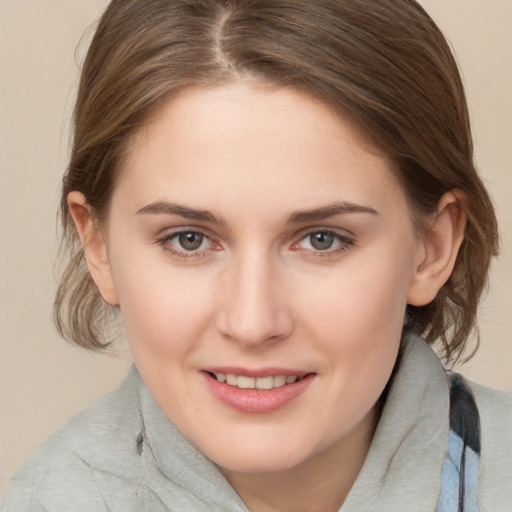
(190, 241)
(323, 240)
(187, 243)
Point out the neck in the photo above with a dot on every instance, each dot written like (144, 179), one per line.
(319, 484)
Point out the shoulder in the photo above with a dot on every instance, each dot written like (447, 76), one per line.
(495, 410)
(492, 402)
(94, 451)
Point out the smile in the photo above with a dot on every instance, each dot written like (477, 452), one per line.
(263, 383)
(257, 391)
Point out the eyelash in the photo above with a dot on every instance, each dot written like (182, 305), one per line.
(345, 243)
(165, 243)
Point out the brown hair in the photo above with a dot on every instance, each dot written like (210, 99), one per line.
(383, 64)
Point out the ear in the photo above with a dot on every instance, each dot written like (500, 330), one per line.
(95, 249)
(438, 248)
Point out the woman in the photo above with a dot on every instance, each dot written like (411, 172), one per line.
(278, 199)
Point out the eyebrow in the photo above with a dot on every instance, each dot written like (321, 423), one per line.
(324, 212)
(339, 208)
(166, 208)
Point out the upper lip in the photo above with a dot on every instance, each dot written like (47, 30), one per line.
(256, 372)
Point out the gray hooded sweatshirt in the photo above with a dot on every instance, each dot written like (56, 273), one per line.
(122, 454)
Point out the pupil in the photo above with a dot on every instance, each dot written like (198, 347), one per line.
(191, 241)
(322, 241)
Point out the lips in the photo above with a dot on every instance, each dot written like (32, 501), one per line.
(254, 392)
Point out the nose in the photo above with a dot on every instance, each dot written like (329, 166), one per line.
(255, 311)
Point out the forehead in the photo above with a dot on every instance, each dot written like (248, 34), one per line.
(257, 142)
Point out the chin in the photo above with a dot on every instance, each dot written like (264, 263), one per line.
(256, 456)
(252, 463)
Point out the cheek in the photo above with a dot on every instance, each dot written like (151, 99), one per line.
(357, 318)
(363, 298)
(163, 308)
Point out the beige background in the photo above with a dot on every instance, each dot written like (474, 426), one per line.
(42, 379)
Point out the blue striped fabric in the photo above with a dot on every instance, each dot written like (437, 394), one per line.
(459, 488)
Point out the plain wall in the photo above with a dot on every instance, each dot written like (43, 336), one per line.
(43, 380)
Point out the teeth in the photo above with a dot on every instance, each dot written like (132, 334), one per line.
(244, 382)
(231, 379)
(264, 382)
(279, 381)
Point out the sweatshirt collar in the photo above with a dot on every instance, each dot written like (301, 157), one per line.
(403, 467)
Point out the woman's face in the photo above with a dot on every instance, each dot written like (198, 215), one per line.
(253, 238)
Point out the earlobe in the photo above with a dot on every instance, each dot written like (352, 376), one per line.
(95, 249)
(438, 249)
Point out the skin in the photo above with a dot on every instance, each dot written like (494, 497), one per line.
(257, 293)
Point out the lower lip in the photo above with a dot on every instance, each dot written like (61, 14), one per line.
(257, 401)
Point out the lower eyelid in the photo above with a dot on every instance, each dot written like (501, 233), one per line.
(344, 246)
